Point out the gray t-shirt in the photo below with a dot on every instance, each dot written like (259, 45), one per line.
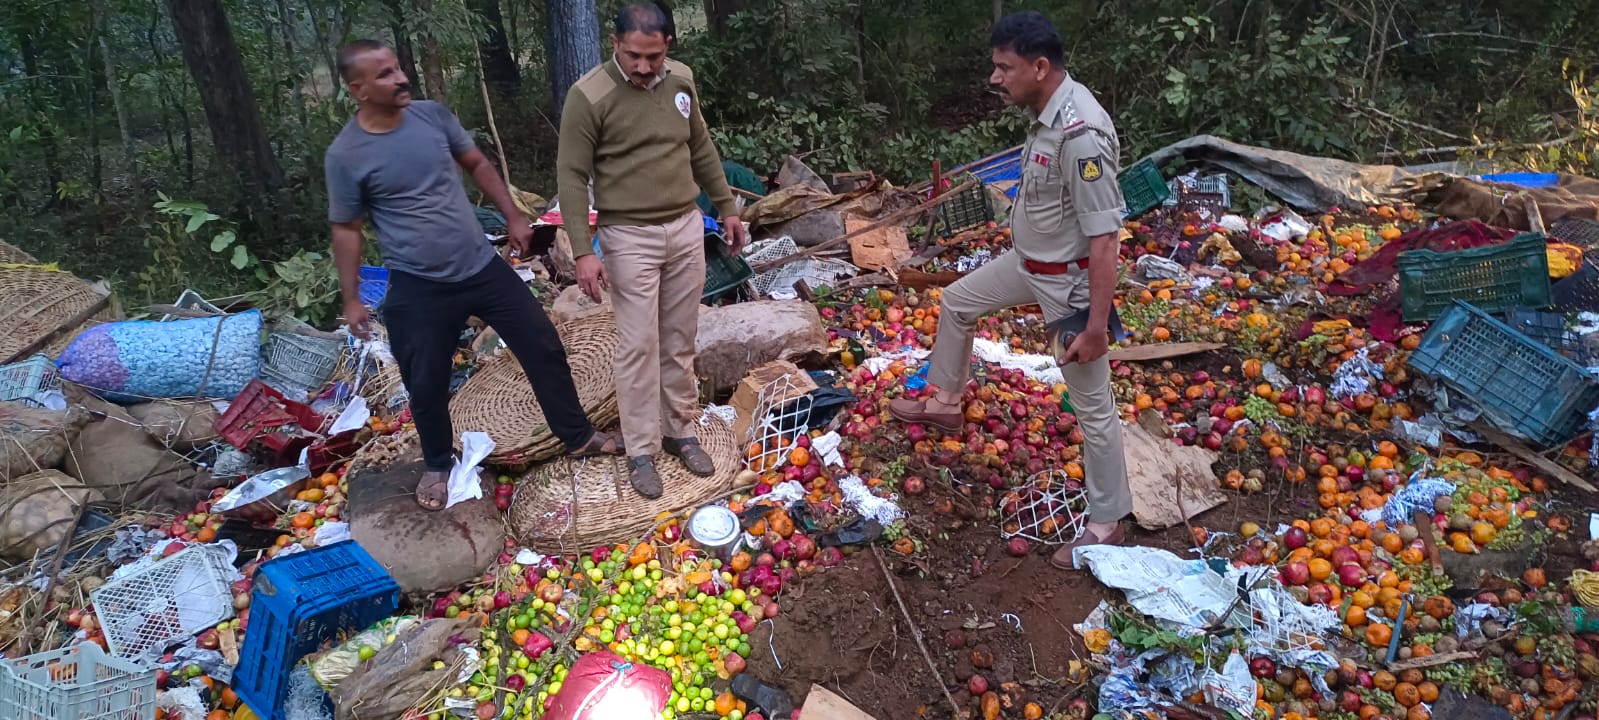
(407, 183)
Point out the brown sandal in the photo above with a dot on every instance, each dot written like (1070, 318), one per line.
(646, 480)
(693, 456)
(599, 443)
(1063, 557)
(915, 411)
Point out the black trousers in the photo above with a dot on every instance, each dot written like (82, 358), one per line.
(425, 319)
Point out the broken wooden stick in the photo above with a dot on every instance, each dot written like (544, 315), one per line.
(916, 634)
(835, 242)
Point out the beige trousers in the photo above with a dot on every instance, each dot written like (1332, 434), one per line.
(1003, 283)
(657, 275)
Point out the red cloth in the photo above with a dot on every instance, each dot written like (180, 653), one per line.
(1383, 265)
(603, 686)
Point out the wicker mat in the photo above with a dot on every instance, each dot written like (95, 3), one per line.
(571, 505)
(38, 301)
(498, 400)
(13, 255)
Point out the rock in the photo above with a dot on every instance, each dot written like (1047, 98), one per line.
(181, 426)
(423, 550)
(1457, 705)
(572, 304)
(735, 339)
(812, 228)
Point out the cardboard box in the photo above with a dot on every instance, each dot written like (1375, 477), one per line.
(748, 394)
(884, 246)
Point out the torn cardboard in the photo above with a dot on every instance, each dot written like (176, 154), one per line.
(1156, 468)
(748, 394)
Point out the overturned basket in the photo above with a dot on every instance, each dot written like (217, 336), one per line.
(498, 400)
(568, 505)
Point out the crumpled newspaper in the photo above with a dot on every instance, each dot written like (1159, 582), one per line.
(860, 499)
(1042, 368)
(1356, 376)
(1469, 618)
(1155, 267)
(181, 703)
(211, 661)
(973, 261)
(129, 543)
(1418, 494)
(331, 532)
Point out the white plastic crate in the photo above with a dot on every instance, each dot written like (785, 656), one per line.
(77, 683)
(301, 361)
(163, 602)
(22, 380)
(191, 300)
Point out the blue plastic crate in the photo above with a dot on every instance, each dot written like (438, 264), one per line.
(374, 285)
(1524, 179)
(1521, 386)
(300, 603)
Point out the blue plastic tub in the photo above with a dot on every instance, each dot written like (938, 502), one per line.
(374, 285)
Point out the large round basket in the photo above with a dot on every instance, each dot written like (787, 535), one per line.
(498, 400)
(13, 255)
(40, 301)
(571, 505)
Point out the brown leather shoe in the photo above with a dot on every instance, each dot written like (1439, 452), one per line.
(642, 475)
(693, 456)
(915, 411)
(1063, 557)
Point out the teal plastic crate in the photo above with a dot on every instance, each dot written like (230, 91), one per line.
(81, 682)
(724, 274)
(966, 210)
(1521, 386)
(1143, 188)
(21, 381)
(1495, 278)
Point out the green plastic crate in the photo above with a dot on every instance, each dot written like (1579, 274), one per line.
(1493, 279)
(965, 211)
(1143, 188)
(723, 274)
(1521, 386)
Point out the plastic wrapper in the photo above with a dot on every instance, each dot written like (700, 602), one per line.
(463, 484)
(141, 359)
(335, 665)
(603, 686)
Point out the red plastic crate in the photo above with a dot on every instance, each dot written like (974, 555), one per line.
(259, 408)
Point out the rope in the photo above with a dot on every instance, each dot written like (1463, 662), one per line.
(1585, 586)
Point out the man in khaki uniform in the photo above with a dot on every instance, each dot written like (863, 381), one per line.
(1064, 230)
(633, 127)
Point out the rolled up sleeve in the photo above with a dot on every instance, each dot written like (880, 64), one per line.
(1091, 165)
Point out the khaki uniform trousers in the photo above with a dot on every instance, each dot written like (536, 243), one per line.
(1004, 283)
(657, 276)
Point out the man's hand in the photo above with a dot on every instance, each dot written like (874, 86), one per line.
(591, 277)
(1090, 345)
(737, 236)
(519, 236)
(358, 318)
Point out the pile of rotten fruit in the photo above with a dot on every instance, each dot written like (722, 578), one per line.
(1323, 459)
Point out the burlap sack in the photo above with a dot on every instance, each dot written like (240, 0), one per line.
(36, 512)
(114, 455)
(181, 426)
(33, 439)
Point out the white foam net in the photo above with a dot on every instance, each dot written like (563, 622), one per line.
(1049, 507)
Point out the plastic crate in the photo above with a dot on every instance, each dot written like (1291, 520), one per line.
(191, 300)
(1577, 231)
(81, 682)
(164, 602)
(1549, 330)
(966, 210)
(301, 361)
(1493, 278)
(1143, 188)
(257, 409)
(20, 381)
(1523, 179)
(723, 273)
(1520, 385)
(374, 285)
(301, 602)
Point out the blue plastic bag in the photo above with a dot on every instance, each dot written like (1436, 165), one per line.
(135, 360)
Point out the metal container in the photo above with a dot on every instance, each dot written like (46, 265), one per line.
(716, 529)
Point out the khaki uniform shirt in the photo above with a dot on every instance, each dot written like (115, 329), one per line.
(1069, 191)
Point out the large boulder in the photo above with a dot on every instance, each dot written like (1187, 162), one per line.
(735, 339)
(423, 550)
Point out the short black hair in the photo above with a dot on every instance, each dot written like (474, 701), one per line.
(349, 51)
(1030, 35)
(650, 18)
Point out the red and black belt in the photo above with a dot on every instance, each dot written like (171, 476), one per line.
(1048, 268)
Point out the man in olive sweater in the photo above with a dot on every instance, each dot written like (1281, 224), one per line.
(633, 127)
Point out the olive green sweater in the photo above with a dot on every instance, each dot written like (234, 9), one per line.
(647, 151)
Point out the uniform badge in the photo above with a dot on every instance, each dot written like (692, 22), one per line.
(1090, 169)
(683, 103)
(1041, 159)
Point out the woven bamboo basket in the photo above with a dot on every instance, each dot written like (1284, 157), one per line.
(498, 400)
(570, 505)
(38, 301)
(13, 255)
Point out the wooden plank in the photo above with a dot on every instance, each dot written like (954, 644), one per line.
(1520, 450)
(1162, 351)
(1430, 661)
(823, 704)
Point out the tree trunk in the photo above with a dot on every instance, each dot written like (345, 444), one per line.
(574, 46)
(161, 83)
(286, 23)
(718, 11)
(47, 137)
(403, 48)
(499, 68)
(93, 72)
(225, 93)
(432, 55)
(999, 10)
(325, 45)
(115, 86)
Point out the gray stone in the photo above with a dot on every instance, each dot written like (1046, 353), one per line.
(735, 339)
(423, 550)
(812, 228)
(572, 304)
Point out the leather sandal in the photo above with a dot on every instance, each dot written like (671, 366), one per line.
(693, 456)
(600, 443)
(1063, 557)
(641, 473)
(915, 411)
(433, 490)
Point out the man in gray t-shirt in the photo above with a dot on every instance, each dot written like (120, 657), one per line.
(396, 163)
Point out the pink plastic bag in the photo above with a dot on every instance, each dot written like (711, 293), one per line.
(603, 686)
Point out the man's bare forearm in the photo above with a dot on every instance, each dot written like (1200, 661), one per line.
(347, 258)
(1102, 258)
(488, 180)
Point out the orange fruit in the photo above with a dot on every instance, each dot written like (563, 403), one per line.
(1406, 694)
(312, 495)
(1356, 616)
(725, 703)
(1378, 634)
(1384, 680)
(1320, 569)
(302, 521)
(229, 699)
(799, 457)
(206, 534)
